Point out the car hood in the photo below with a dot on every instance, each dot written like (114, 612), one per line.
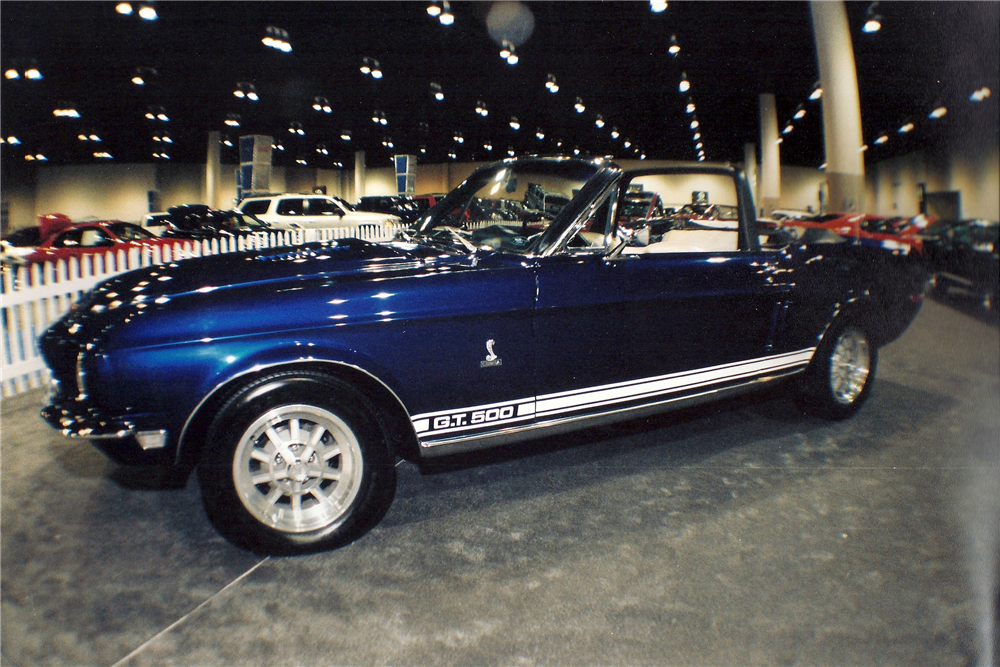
(232, 271)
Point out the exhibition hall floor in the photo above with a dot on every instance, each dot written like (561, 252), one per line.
(732, 534)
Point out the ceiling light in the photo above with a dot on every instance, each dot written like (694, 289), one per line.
(32, 74)
(68, 110)
(817, 91)
(863, 148)
(694, 124)
(13, 141)
(436, 91)
(346, 135)
(873, 22)
(980, 95)
(233, 120)
(551, 84)
(658, 6)
(800, 113)
(277, 38)
(539, 134)
(147, 12)
(938, 112)
(246, 90)
(788, 129)
(600, 121)
(906, 128)
(685, 85)
(446, 17)
(505, 49)
(103, 155)
(881, 140)
(675, 46)
(627, 143)
(579, 106)
(614, 133)
(12, 74)
(434, 10)
(514, 123)
(690, 108)
(124, 8)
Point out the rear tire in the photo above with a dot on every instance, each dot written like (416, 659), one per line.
(294, 463)
(840, 377)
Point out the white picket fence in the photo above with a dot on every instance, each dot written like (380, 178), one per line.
(33, 297)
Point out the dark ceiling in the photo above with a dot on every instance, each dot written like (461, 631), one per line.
(613, 55)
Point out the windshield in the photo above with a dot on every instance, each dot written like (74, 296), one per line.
(506, 206)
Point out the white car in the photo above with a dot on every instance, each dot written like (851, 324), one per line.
(298, 211)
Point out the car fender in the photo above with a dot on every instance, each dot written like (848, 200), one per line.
(366, 374)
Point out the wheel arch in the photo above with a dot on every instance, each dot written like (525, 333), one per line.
(392, 417)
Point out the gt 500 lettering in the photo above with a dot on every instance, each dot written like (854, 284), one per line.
(472, 418)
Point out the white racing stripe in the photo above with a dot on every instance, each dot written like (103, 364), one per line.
(592, 397)
(445, 422)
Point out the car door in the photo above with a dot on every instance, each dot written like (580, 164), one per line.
(657, 322)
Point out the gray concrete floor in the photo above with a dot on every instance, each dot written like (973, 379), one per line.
(735, 534)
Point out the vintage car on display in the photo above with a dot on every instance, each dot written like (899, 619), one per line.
(199, 222)
(404, 208)
(294, 378)
(897, 234)
(94, 238)
(20, 243)
(965, 255)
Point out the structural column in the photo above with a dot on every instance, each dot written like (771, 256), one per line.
(750, 170)
(213, 170)
(359, 175)
(842, 135)
(769, 181)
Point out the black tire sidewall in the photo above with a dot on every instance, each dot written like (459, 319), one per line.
(816, 390)
(215, 468)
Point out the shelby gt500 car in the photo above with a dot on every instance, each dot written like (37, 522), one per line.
(294, 378)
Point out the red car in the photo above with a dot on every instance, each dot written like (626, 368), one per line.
(92, 238)
(890, 233)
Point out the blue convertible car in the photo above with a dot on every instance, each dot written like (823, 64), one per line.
(294, 378)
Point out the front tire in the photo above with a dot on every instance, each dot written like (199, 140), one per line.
(842, 372)
(295, 463)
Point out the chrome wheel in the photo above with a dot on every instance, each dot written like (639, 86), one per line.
(298, 468)
(850, 364)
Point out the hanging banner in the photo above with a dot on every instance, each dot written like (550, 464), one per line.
(254, 174)
(406, 174)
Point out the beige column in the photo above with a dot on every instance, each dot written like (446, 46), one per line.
(769, 180)
(750, 170)
(842, 135)
(213, 170)
(359, 175)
